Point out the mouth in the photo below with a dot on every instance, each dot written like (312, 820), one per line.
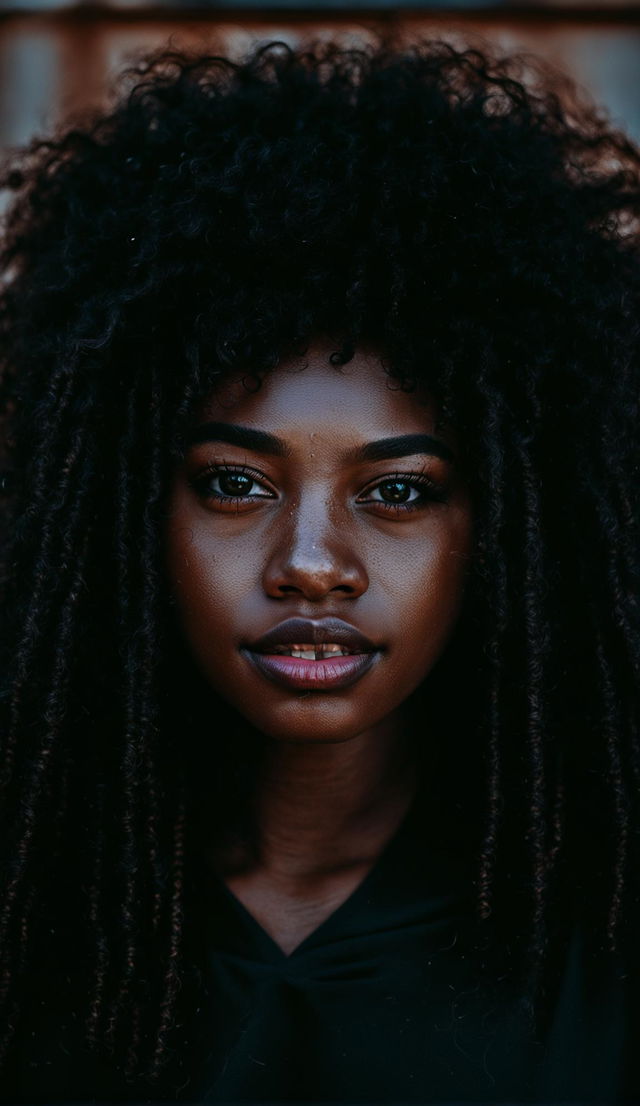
(310, 668)
(313, 655)
(313, 651)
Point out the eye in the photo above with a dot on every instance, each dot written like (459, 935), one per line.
(399, 492)
(395, 492)
(228, 484)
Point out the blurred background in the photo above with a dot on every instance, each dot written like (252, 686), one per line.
(59, 56)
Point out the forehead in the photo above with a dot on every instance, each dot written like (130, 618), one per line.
(308, 395)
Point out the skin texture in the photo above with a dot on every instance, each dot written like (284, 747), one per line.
(314, 540)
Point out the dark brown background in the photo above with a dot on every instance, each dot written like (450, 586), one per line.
(56, 57)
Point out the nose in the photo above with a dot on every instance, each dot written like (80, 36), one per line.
(314, 553)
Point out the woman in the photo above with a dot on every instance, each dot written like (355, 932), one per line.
(322, 351)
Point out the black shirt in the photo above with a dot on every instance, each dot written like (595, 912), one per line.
(385, 1002)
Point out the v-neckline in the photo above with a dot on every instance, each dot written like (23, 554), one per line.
(270, 946)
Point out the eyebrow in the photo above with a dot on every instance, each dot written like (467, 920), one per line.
(260, 441)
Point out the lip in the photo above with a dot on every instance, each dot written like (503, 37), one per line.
(322, 631)
(298, 674)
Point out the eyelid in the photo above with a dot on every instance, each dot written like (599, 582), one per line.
(411, 473)
(214, 468)
(434, 490)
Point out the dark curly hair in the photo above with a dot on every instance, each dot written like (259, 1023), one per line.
(479, 227)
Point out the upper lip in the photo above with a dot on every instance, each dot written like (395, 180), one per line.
(305, 631)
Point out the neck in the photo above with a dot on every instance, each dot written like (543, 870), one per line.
(323, 807)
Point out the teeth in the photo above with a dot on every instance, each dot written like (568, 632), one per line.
(312, 652)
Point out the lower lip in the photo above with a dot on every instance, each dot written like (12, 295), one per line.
(306, 675)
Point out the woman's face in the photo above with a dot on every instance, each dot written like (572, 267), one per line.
(321, 520)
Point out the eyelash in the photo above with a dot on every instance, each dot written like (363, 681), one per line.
(432, 491)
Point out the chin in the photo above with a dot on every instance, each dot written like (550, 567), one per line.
(313, 739)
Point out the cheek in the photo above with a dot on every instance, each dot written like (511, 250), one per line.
(428, 589)
(442, 586)
(206, 584)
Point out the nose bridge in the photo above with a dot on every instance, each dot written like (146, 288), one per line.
(314, 548)
(312, 529)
